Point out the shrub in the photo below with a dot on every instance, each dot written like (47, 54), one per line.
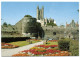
(27, 16)
(5, 24)
(62, 38)
(64, 44)
(74, 47)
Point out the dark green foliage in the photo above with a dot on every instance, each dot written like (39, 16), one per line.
(78, 10)
(5, 24)
(64, 44)
(27, 16)
(74, 47)
(35, 28)
(9, 24)
(62, 38)
(51, 24)
(40, 30)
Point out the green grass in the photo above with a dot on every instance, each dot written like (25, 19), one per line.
(21, 43)
(52, 43)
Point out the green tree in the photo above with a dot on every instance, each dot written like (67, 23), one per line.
(9, 24)
(5, 24)
(78, 10)
(51, 24)
(27, 16)
(40, 30)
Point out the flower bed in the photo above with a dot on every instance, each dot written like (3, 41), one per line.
(43, 50)
(6, 45)
(21, 55)
(61, 53)
(47, 46)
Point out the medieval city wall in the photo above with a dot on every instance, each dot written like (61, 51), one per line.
(61, 32)
(18, 25)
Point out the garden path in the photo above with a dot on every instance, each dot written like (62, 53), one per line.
(10, 52)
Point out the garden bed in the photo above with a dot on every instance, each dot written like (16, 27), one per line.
(8, 46)
(44, 50)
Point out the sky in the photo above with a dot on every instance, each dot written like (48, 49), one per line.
(61, 12)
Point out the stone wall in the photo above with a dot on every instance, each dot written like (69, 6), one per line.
(60, 32)
(18, 25)
(29, 25)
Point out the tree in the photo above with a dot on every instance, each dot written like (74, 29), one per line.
(27, 16)
(9, 24)
(5, 24)
(51, 24)
(39, 30)
(78, 10)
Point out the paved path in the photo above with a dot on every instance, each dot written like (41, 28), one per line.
(10, 52)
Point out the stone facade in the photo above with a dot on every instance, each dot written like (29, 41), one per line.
(27, 24)
(73, 24)
(57, 32)
(40, 17)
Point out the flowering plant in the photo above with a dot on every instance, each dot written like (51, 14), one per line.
(47, 52)
(6, 45)
(47, 46)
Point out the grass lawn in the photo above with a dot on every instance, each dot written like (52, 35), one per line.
(21, 43)
(52, 43)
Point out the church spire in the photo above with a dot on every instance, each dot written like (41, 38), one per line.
(37, 7)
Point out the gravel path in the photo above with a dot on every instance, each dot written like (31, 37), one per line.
(10, 52)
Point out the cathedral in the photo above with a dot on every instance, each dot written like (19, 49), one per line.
(40, 17)
(73, 24)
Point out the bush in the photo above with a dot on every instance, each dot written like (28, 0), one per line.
(5, 24)
(64, 44)
(27, 16)
(62, 38)
(51, 24)
(74, 47)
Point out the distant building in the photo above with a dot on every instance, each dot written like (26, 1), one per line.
(72, 24)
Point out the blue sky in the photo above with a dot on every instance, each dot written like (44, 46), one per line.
(61, 12)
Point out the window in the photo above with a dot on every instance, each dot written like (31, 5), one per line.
(54, 33)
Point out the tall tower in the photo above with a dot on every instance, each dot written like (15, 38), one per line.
(42, 12)
(38, 13)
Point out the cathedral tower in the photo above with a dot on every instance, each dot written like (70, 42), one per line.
(40, 13)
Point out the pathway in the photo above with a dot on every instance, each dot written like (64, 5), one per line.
(10, 52)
